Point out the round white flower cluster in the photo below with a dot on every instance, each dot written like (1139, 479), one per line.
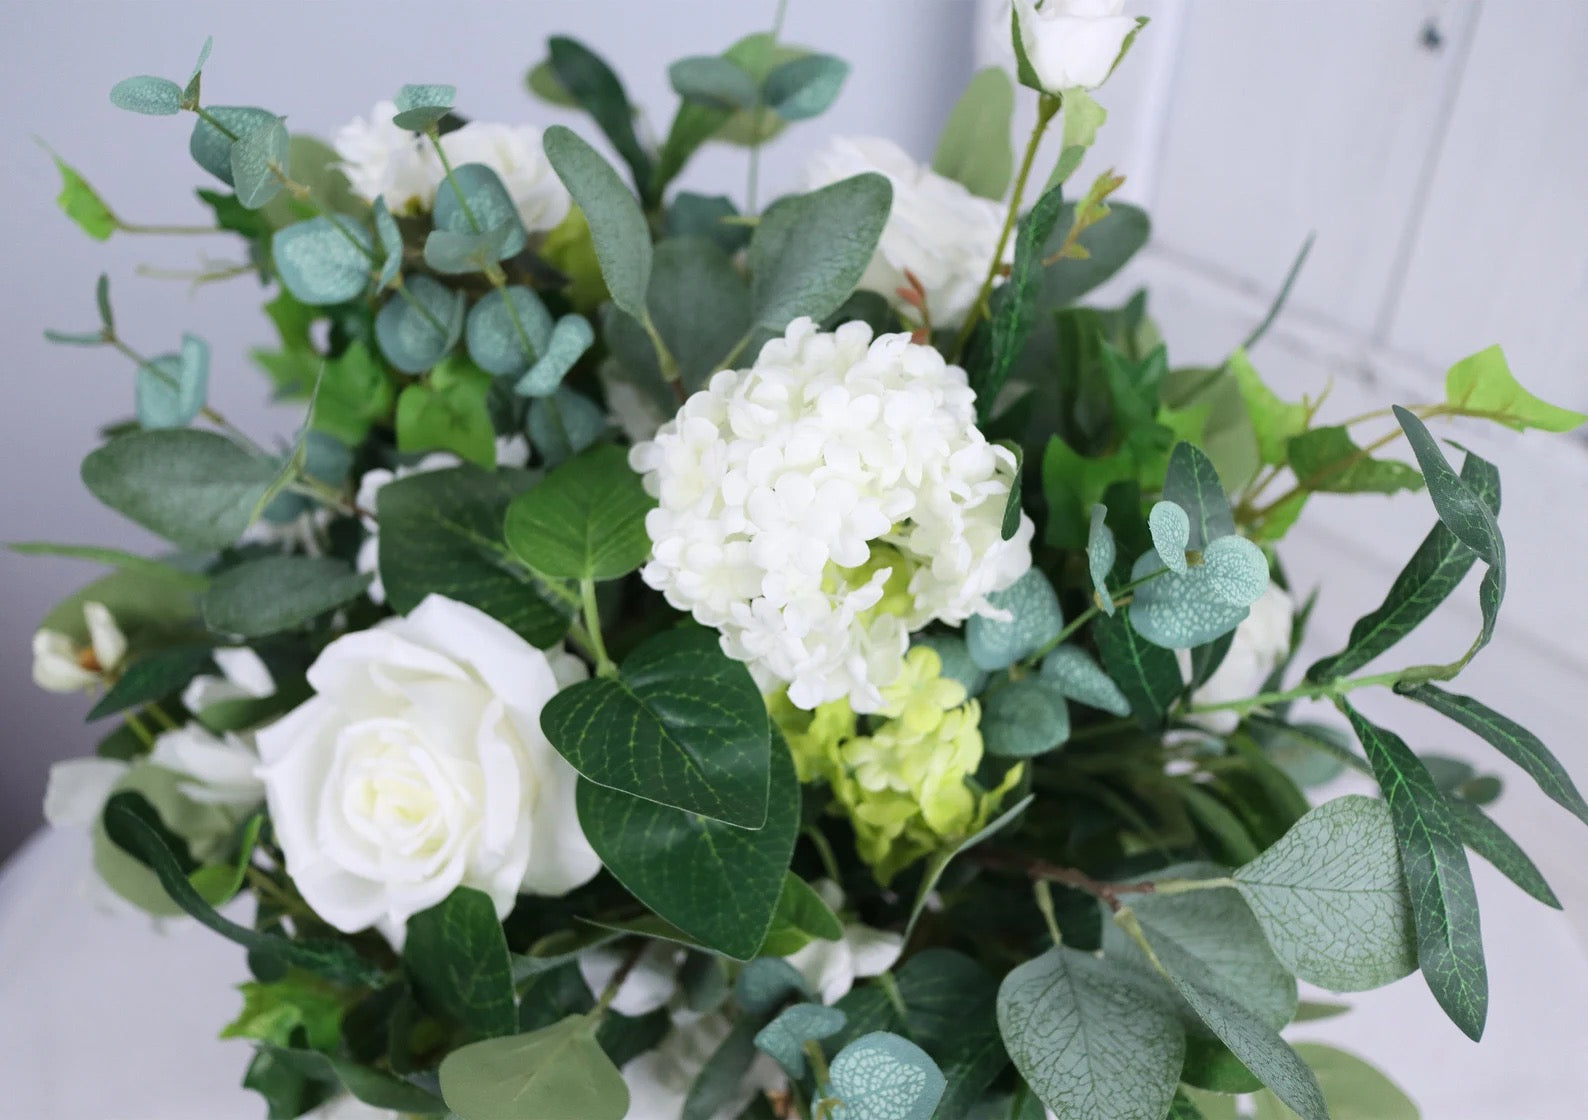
(939, 232)
(820, 506)
(382, 160)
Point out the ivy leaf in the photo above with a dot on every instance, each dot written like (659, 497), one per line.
(884, 1077)
(975, 149)
(442, 534)
(718, 883)
(810, 250)
(1036, 620)
(355, 391)
(419, 324)
(1483, 384)
(1171, 533)
(1148, 674)
(456, 956)
(1328, 459)
(324, 260)
(420, 107)
(1274, 422)
(683, 725)
(81, 203)
(272, 1012)
(151, 96)
(805, 87)
(557, 1073)
(1435, 570)
(617, 227)
(276, 593)
(784, 1038)
(594, 87)
(1444, 901)
(1015, 304)
(1101, 552)
(449, 412)
(1332, 898)
(1511, 739)
(1091, 1036)
(197, 489)
(508, 329)
(585, 521)
(1192, 483)
(1494, 844)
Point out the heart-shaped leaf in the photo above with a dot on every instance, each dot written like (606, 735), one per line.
(1209, 600)
(586, 520)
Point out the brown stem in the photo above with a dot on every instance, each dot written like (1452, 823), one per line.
(1000, 860)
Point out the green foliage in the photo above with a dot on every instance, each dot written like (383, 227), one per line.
(683, 726)
(153, 97)
(1171, 533)
(197, 489)
(1147, 674)
(1192, 483)
(1274, 422)
(1352, 1089)
(1490, 841)
(355, 392)
(448, 412)
(804, 87)
(801, 917)
(324, 260)
(1444, 901)
(1328, 459)
(1107, 247)
(441, 533)
(1483, 385)
(81, 203)
(508, 329)
(564, 424)
(273, 1012)
(1015, 303)
(1035, 620)
(419, 324)
(211, 147)
(420, 107)
(567, 343)
(1023, 718)
(1071, 672)
(585, 521)
(259, 161)
(1208, 601)
(937, 864)
(884, 1077)
(700, 307)
(171, 389)
(1101, 552)
(473, 201)
(456, 957)
(717, 882)
(622, 239)
(975, 149)
(276, 593)
(557, 1073)
(150, 678)
(784, 1038)
(713, 80)
(591, 83)
(372, 1086)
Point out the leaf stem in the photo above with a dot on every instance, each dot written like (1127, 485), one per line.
(1327, 689)
(1123, 599)
(209, 118)
(615, 985)
(446, 166)
(214, 417)
(1042, 891)
(592, 622)
(167, 231)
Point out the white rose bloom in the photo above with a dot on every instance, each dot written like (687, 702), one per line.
(382, 160)
(420, 766)
(1072, 43)
(243, 677)
(790, 493)
(832, 967)
(516, 154)
(59, 665)
(937, 230)
(216, 769)
(1261, 642)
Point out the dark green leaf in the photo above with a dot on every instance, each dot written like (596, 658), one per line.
(719, 1081)
(1489, 840)
(557, 1073)
(801, 917)
(802, 88)
(700, 306)
(938, 863)
(585, 521)
(617, 227)
(1147, 674)
(591, 82)
(373, 1087)
(975, 150)
(276, 593)
(1444, 901)
(152, 678)
(456, 956)
(1012, 510)
(1015, 303)
(810, 250)
(1193, 484)
(700, 215)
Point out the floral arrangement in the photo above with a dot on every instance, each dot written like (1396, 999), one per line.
(795, 661)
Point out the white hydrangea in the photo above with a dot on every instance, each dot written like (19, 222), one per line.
(382, 160)
(938, 231)
(517, 155)
(820, 506)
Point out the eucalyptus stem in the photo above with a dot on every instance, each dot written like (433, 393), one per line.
(214, 417)
(1121, 600)
(166, 231)
(753, 172)
(446, 166)
(1041, 871)
(209, 118)
(1047, 109)
(592, 622)
(1327, 689)
(498, 281)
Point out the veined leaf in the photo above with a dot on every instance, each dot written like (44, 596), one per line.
(1148, 674)
(276, 593)
(1275, 422)
(456, 955)
(1482, 384)
(1193, 484)
(1329, 459)
(1353, 1089)
(1015, 304)
(586, 520)
(593, 85)
(1489, 840)
(557, 1073)
(884, 1077)
(617, 227)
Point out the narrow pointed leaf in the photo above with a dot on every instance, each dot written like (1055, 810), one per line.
(1016, 303)
(1192, 483)
(1148, 674)
(622, 239)
(975, 149)
(1494, 844)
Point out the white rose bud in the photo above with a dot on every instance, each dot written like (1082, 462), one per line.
(1072, 43)
(419, 767)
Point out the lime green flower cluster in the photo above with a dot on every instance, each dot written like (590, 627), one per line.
(905, 783)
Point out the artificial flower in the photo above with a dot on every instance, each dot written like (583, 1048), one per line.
(382, 160)
(1260, 644)
(420, 766)
(1073, 43)
(832, 967)
(61, 665)
(821, 505)
(243, 676)
(516, 154)
(215, 769)
(938, 232)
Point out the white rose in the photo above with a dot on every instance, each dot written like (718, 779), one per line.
(1072, 43)
(938, 231)
(60, 665)
(243, 677)
(516, 154)
(420, 766)
(382, 160)
(1261, 642)
(832, 967)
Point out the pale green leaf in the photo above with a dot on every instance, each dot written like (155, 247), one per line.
(622, 238)
(1483, 385)
(586, 520)
(1035, 621)
(975, 149)
(881, 1076)
(557, 1073)
(1171, 533)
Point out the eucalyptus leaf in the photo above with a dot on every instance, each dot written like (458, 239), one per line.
(713, 80)
(784, 1038)
(171, 389)
(618, 228)
(1071, 672)
(1210, 600)
(975, 149)
(1192, 483)
(810, 250)
(217, 130)
(420, 107)
(805, 87)
(391, 242)
(557, 1073)
(276, 593)
(1023, 718)
(1035, 621)
(766, 983)
(1171, 533)
(592, 84)
(564, 424)
(507, 331)
(473, 200)
(1101, 552)
(419, 324)
(569, 340)
(586, 520)
(884, 1077)
(151, 96)
(259, 160)
(460, 253)
(324, 260)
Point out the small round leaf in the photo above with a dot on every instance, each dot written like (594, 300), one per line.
(211, 148)
(153, 97)
(259, 159)
(419, 324)
(507, 329)
(569, 340)
(1036, 620)
(420, 106)
(321, 263)
(1171, 532)
(881, 1076)
(473, 200)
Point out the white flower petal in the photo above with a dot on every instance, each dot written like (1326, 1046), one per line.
(78, 788)
(55, 664)
(110, 644)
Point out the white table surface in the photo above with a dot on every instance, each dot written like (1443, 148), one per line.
(103, 1017)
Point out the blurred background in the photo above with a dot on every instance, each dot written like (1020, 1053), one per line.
(1435, 148)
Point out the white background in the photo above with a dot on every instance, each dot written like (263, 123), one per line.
(1435, 147)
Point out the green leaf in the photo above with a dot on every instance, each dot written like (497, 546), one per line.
(1332, 898)
(1091, 1037)
(1458, 505)
(801, 917)
(766, 983)
(585, 521)
(700, 306)
(718, 883)
(713, 80)
(441, 533)
(391, 242)
(449, 412)
(810, 250)
(1109, 245)
(802, 88)
(219, 883)
(1210, 600)
(508, 329)
(1171, 533)
(884, 1077)
(1015, 303)
(1071, 672)
(372, 1086)
(456, 254)
(1274, 421)
(784, 1038)
(419, 107)
(1148, 674)
(114, 558)
(683, 725)
(1012, 510)
(1101, 552)
(354, 393)
(1251, 1040)
(259, 161)
(975, 150)
(171, 389)
(211, 148)
(325, 260)
(938, 863)
(617, 227)
(699, 215)
(276, 593)
(1435, 570)
(102, 302)
(1328, 459)
(419, 323)
(1083, 118)
(1511, 739)
(1036, 621)
(1444, 901)
(569, 340)
(132, 824)
(1023, 718)
(198, 489)
(81, 203)
(153, 97)
(152, 678)
(1192, 483)
(272, 1012)
(1210, 1065)
(456, 956)
(557, 1073)
(1489, 840)
(591, 82)
(473, 200)
(1353, 1089)
(564, 424)
(1482, 384)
